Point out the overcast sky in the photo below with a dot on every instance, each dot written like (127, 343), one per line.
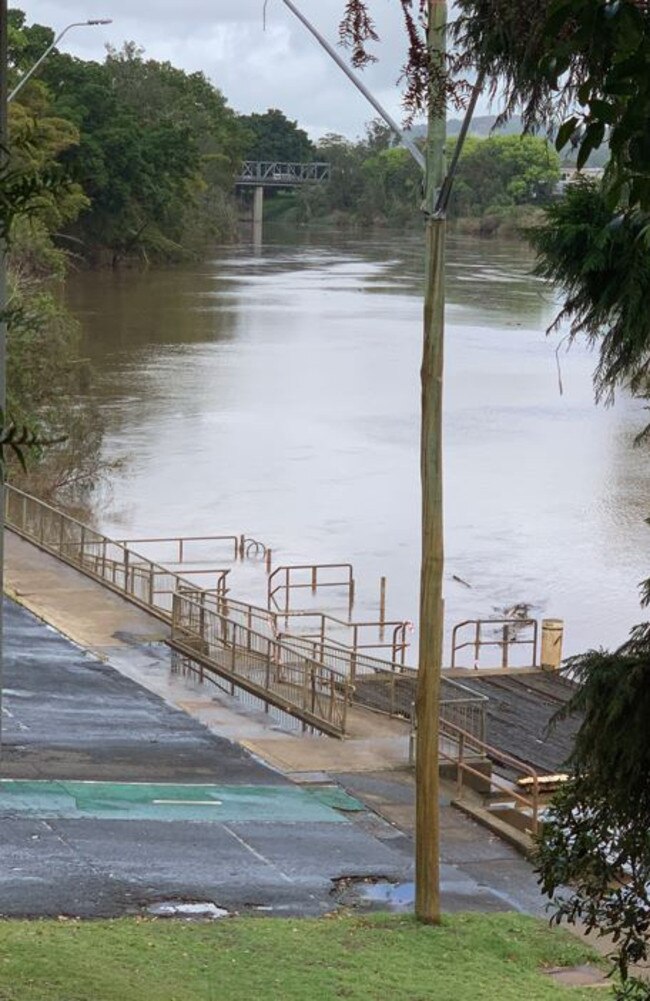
(280, 67)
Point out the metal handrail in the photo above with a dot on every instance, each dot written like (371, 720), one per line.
(321, 695)
(124, 573)
(398, 646)
(136, 578)
(467, 742)
(314, 584)
(181, 540)
(507, 639)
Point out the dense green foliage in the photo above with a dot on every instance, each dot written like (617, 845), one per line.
(594, 854)
(583, 59)
(126, 158)
(503, 171)
(373, 181)
(471, 957)
(599, 260)
(272, 136)
(156, 148)
(46, 378)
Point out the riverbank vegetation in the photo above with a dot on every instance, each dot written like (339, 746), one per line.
(46, 377)
(502, 181)
(127, 160)
(155, 150)
(477, 957)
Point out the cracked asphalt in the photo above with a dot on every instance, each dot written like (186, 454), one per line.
(112, 800)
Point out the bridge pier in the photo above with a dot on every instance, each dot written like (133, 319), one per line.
(258, 215)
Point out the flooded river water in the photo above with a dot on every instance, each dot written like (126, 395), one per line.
(277, 394)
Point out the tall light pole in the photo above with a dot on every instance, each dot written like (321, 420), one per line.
(75, 24)
(331, 51)
(4, 156)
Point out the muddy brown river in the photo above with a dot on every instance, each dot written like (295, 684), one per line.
(277, 394)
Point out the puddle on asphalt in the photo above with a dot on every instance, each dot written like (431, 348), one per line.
(198, 909)
(375, 894)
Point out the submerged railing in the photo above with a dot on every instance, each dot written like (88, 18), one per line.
(314, 678)
(471, 635)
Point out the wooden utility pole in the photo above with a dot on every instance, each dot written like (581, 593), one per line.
(427, 821)
(4, 152)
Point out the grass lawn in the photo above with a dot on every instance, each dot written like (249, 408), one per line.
(473, 957)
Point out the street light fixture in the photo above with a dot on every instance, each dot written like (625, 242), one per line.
(4, 137)
(75, 24)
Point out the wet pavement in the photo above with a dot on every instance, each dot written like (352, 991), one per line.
(113, 801)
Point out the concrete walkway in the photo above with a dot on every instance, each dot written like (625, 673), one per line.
(76, 714)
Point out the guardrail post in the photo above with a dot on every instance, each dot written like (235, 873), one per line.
(152, 588)
(305, 686)
(82, 545)
(477, 645)
(233, 659)
(353, 667)
(267, 674)
(61, 531)
(504, 646)
(269, 560)
(459, 766)
(382, 607)
(535, 803)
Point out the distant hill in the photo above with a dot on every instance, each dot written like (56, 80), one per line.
(483, 126)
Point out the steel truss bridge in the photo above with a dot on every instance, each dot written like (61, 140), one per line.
(281, 174)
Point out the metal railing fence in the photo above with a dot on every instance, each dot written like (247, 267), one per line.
(312, 576)
(262, 665)
(465, 751)
(315, 677)
(369, 635)
(117, 566)
(510, 636)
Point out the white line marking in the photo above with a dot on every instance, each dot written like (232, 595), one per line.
(258, 855)
(188, 802)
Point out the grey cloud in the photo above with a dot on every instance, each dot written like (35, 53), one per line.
(256, 69)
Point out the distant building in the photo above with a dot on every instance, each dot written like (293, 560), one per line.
(570, 175)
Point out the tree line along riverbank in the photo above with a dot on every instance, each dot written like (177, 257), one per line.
(134, 161)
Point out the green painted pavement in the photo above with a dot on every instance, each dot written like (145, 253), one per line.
(163, 801)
